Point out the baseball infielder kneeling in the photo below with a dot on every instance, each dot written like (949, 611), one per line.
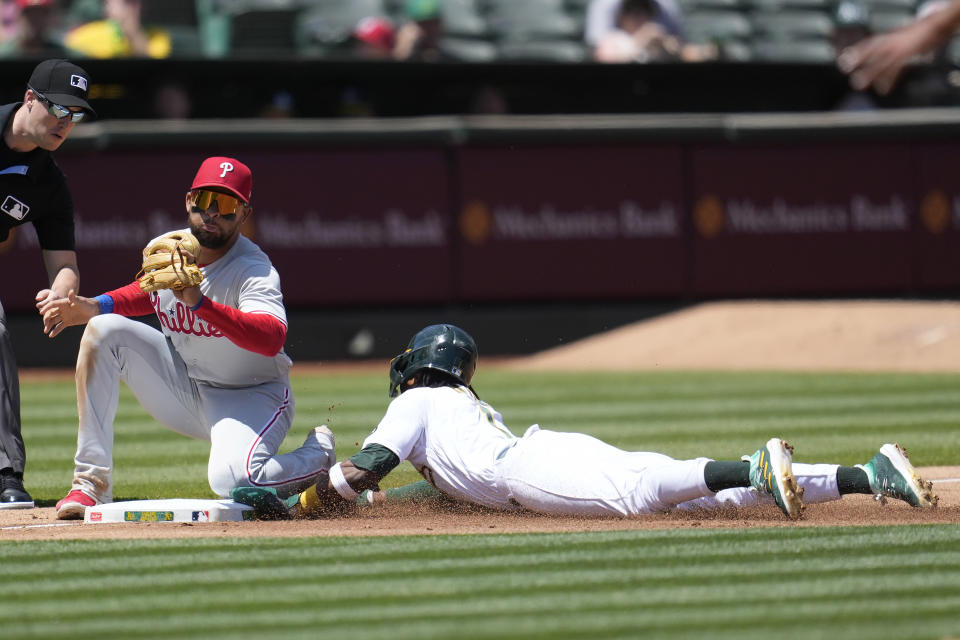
(216, 370)
(460, 445)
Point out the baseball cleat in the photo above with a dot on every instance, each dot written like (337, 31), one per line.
(892, 476)
(771, 472)
(267, 505)
(322, 437)
(74, 505)
(12, 493)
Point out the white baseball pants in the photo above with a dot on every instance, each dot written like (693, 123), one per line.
(575, 474)
(245, 426)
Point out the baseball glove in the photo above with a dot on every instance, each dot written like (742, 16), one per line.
(166, 264)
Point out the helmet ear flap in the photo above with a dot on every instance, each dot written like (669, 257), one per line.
(397, 367)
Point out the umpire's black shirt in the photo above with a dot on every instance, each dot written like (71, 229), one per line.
(33, 189)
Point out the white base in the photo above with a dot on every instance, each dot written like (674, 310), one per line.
(169, 510)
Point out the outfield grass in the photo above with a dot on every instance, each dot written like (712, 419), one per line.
(837, 583)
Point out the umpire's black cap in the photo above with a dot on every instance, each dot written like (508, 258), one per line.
(63, 83)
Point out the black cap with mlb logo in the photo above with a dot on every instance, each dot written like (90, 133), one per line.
(63, 83)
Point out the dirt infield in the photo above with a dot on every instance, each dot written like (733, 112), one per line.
(41, 524)
(862, 336)
(794, 336)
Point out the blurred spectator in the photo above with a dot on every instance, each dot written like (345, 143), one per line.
(878, 61)
(851, 24)
(602, 17)
(35, 31)
(9, 12)
(120, 34)
(419, 38)
(171, 101)
(374, 38)
(638, 37)
(489, 100)
(279, 107)
(935, 84)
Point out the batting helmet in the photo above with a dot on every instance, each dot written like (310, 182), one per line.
(443, 347)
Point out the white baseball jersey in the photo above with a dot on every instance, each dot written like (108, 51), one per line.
(245, 279)
(461, 446)
(453, 439)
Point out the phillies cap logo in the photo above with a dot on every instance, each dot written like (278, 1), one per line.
(78, 81)
(227, 168)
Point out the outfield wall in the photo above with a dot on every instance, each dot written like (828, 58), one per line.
(454, 210)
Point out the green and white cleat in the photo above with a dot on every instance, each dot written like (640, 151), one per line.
(771, 472)
(267, 505)
(892, 476)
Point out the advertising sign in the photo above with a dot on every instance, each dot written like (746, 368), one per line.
(340, 226)
(570, 222)
(818, 219)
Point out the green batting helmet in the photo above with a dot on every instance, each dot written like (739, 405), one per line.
(443, 347)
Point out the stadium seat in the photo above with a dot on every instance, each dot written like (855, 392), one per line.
(736, 51)
(185, 42)
(818, 51)
(691, 7)
(905, 6)
(169, 13)
(883, 19)
(80, 11)
(523, 24)
(543, 51)
(952, 51)
(576, 7)
(256, 32)
(792, 25)
(468, 49)
(824, 6)
(462, 18)
(717, 26)
(536, 6)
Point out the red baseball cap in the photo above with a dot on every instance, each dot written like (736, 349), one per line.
(376, 31)
(229, 173)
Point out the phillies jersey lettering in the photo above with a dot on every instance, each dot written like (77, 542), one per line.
(180, 319)
(244, 279)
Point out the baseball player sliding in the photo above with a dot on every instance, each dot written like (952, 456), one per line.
(463, 449)
(216, 370)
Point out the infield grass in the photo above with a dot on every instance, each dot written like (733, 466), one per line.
(841, 418)
(837, 583)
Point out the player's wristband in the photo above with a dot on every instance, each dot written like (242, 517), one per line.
(340, 483)
(105, 302)
(198, 305)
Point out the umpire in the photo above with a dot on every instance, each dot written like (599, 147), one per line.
(33, 189)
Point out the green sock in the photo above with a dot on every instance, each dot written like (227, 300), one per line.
(724, 474)
(852, 480)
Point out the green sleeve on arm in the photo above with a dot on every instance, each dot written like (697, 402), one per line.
(376, 459)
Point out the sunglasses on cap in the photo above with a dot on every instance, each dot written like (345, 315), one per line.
(59, 111)
(227, 205)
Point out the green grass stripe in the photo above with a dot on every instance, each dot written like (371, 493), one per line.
(610, 584)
